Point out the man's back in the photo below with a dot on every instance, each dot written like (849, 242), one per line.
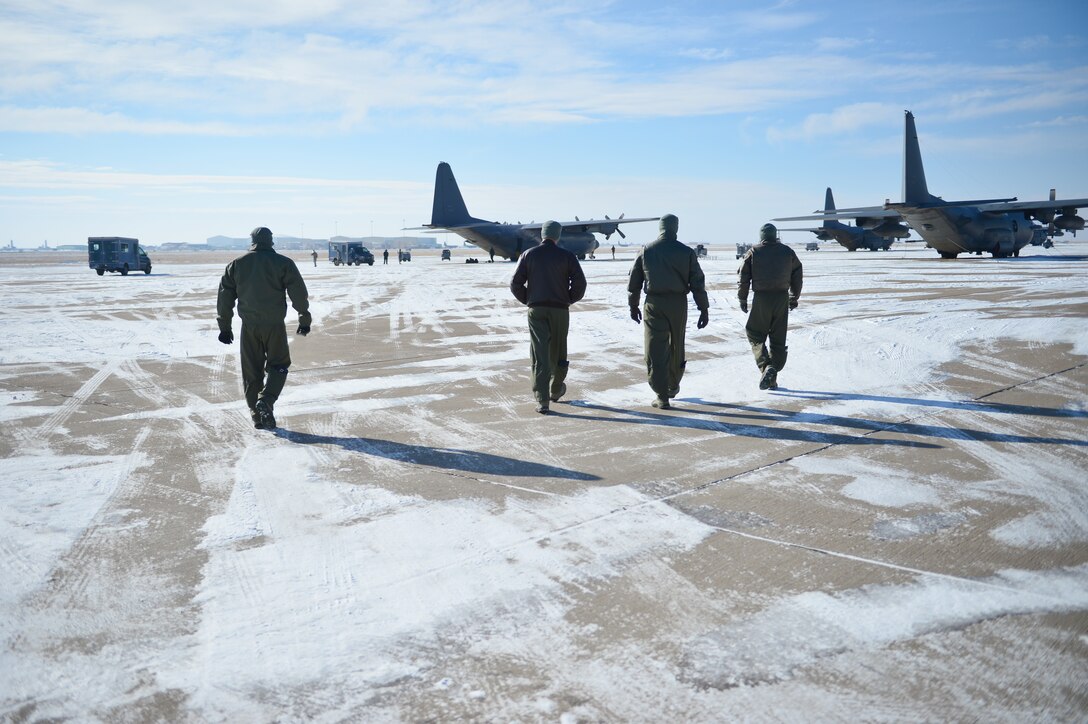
(771, 267)
(258, 279)
(552, 274)
(668, 266)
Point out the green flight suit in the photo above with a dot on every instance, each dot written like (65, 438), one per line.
(548, 327)
(258, 281)
(548, 279)
(664, 317)
(773, 272)
(668, 270)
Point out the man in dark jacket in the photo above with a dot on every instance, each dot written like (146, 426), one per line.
(258, 280)
(773, 272)
(548, 279)
(669, 270)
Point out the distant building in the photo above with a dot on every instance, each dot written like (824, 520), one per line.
(295, 242)
(182, 246)
(227, 242)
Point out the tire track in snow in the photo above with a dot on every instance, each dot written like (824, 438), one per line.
(69, 581)
(39, 436)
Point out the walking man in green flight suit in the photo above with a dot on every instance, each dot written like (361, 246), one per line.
(258, 281)
(548, 279)
(668, 270)
(773, 272)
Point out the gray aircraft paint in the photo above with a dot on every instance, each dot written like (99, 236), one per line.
(450, 213)
(997, 226)
(853, 238)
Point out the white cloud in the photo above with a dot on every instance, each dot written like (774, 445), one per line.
(78, 121)
(707, 54)
(779, 18)
(251, 68)
(835, 45)
(841, 121)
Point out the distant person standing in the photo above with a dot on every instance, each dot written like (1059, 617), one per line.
(385, 257)
(314, 256)
(613, 252)
(668, 270)
(258, 280)
(548, 279)
(773, 272)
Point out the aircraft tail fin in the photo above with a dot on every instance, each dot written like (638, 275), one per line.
(829, 205)
(915, 190)
(449, 207)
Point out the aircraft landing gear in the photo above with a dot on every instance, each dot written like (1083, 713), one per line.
(949, 254)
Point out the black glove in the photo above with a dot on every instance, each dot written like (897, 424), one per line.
(303, 330)
(226, 336)
(704, 318)
(636, 315)
(744, 305)
(793, 303)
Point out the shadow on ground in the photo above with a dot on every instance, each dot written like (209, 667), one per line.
(444, 458)
(966, 405)
(679, 418)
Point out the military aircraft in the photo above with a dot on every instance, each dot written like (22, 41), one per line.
(449, 213)
(996, 226)
(855, 237)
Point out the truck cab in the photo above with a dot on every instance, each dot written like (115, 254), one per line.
(116, 254)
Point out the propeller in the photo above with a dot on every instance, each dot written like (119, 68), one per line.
(615, 228)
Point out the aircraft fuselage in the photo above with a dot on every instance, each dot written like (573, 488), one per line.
(852, 237)
(510, 240)
(965, 229)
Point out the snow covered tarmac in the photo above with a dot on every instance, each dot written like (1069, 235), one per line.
(900, 532)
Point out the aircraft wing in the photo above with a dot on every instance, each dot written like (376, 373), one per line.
(432, 228)
(814, 230)
(604, 226)
(606, 222)
(1055, 205)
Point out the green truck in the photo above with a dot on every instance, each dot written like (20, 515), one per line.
(348, 253)
(116, 254)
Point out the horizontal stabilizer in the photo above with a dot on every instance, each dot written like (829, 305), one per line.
(451, 227)
(869, 212)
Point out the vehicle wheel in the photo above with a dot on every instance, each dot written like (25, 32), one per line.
(100, 271)
(147, 270)
(370, 263)
(124, 270)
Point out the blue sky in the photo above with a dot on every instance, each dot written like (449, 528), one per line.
(178, 123)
